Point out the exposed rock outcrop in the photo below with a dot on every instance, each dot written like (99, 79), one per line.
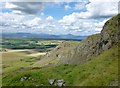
(96, 44)
(73, 53)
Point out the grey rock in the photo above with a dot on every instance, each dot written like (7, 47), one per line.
(21, 79)
(51, 81)
(60, 83)
(24, 78)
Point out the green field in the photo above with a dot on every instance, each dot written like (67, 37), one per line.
(17, 54)
(38, 44)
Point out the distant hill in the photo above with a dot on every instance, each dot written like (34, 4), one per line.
(43, 36)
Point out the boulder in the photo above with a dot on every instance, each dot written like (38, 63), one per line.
(23, 79)
(60, 83)
(51, 81)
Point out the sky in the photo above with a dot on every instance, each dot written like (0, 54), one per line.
(82, 17)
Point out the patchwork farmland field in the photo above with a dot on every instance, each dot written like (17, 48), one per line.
(23, 53)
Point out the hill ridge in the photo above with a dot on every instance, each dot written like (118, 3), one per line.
(74, 52)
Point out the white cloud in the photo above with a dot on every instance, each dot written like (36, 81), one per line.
(69, 19)
(91, 21)
(17, 12)
(67, 7)
(11, 18)
(77, 26)
(77, 23)
(100, 24)
(79, 6)
(10, 5)
(26, 8)
(96, 8)
(49, 18)
(11, 22)
(35, 21)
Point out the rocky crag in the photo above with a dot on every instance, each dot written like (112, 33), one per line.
(80, 52)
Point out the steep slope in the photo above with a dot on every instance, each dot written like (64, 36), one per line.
(73, 53)
(59, 55)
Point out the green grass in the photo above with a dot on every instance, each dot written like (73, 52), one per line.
(99, 71)
(14, 60)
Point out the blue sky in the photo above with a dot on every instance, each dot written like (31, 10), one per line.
(58, 11)
(85, 17)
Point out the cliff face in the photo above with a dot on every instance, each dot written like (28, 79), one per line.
(96, 44)
(73, 52)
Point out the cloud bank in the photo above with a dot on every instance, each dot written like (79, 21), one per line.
(88, 17)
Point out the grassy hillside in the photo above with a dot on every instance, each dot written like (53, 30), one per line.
(91, 62)
(61, 51)
(80, 52)
(101, 70)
